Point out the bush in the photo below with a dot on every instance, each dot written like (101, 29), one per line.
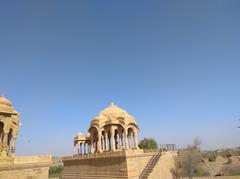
(201, 172)
(225, 154)
(148, 143)
(56, 171)
(210, 156)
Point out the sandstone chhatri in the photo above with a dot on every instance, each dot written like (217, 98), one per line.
(11, 166)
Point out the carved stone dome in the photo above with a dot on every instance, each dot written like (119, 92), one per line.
(4, 101)
(113, 115)
(6, 106)
(113, 111)
(79, 135)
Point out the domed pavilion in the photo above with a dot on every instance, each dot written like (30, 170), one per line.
(12, 166)
(113, 129)
(109, 150)
(9, 126)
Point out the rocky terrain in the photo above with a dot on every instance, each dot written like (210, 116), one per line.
(221, 162)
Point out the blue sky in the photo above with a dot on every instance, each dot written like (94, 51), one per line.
(174, 65)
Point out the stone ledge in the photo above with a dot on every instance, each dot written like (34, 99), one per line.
(26, 162)
(127, 153)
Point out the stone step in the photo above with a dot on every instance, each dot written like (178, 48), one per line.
(150, 166)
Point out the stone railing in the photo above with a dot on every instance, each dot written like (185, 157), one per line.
(94, 155)
(105, 154)
(168, 147)
(33, 159)
(151, 150)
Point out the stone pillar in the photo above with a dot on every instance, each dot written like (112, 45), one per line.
(135, 140)
(77, 148)
(81, 148)
(89, 148)
(92, 146)
(106, 141)
(129, 141)
(99, 147)
(5, 143)
(102, 142)
(116, 141)
(1, 143)
(126, 140)
(112, 140)
(13, 146)
(74, 152)
(120, 140)
(89, 151)
(84, 150)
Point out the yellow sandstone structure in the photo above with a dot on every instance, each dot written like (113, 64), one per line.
(112, 130)
(9, 125)
(110, 150)
(12, 167)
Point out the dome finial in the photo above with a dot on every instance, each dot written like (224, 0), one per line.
(112, 104)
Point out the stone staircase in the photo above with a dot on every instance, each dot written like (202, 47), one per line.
(150, 165)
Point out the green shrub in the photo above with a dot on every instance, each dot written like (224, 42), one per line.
(201, 172)
(56, 171)
(148, 143)
(210, 156)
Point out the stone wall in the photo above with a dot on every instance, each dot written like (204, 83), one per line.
(117, 165)
(31, 173)
(136, 163)
(164, 166)
(96, 166)
(32, 167)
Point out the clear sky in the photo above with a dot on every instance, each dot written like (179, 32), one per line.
(174, 65)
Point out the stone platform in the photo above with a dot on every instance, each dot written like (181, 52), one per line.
(29, 167)
(116, 165)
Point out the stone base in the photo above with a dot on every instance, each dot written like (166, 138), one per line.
(32, 167)
(163, 169)
(114, 165)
